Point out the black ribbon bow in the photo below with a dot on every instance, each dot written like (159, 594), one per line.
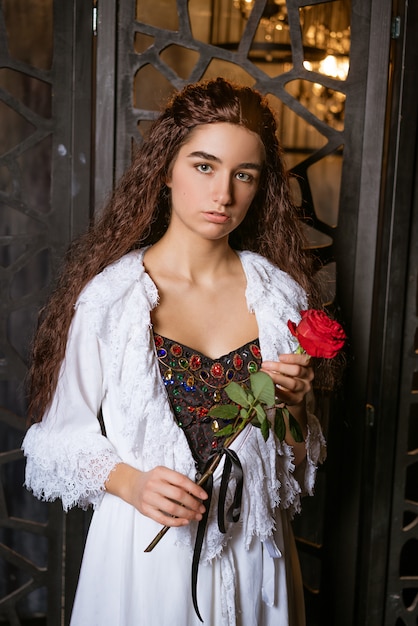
(232, 463)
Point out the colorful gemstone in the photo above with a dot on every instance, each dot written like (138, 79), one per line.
(204, 375)
(215, 426)
(238, 362)
(184, 363)
(202, 411)
(162, 353)
(252, 367)
(255, 350)
(176, 350)
(230, 374)
(168, 374)
(217, 370)
(195, 362)
(158, 341)
(190, 381)
(217, 395)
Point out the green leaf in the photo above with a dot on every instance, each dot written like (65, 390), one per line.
(237, 394)
(295, 429)
(224, 411)
(279, 425)
(265, 430)
(261, 414)
(262, 386)
(226, 431)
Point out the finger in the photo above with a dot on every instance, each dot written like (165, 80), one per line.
(301, 359)
(164, 518)
(292, 368)
(158, 505)
(177, 480)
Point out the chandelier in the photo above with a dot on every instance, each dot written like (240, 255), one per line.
(325, 33)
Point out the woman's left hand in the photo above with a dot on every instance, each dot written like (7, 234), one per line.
(292, 375)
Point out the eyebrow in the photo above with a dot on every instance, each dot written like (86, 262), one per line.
(200, 154)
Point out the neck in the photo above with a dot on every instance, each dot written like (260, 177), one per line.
(196, 260)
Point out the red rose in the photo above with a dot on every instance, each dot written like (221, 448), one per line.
(317, 334)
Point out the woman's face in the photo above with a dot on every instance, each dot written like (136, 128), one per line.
(214, 179)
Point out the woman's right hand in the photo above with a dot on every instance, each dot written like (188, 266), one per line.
(164, 495)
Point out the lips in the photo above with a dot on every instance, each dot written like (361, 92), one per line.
(216, 217)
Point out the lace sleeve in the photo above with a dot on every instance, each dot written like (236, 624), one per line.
(305, 473)
(73, 468)
(67, 455)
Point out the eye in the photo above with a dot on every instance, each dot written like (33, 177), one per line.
(203, 167)
(245, 177)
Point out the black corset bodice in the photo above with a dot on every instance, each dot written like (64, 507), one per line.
(195, 383)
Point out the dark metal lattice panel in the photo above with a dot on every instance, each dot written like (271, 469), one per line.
(44, 200)
(401, 605)
(402, 588)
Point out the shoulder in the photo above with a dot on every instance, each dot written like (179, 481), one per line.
(118, 283)
(266, 279)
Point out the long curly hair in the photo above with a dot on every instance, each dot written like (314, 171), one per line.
(138, 212)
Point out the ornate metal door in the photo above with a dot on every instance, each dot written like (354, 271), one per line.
(338, 136)
(45, 112)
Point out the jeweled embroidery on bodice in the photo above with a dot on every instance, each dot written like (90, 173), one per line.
(195, 383)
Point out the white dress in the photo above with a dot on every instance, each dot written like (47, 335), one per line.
(248, 576)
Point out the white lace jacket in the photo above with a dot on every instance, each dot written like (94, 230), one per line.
(111, 365)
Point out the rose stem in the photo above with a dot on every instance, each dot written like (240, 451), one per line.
(212, 467)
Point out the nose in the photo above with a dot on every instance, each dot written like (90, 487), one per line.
(223, 190)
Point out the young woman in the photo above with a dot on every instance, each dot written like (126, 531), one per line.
(186, 283)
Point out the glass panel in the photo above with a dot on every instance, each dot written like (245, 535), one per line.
(162, 14)
(316, 238)
(180, 59)
(142, 42)
(5, 179)
(33, 93)
(326, 104)
(35, 168)
(9, 253)
(202, 25)
(218, 67)
(328, 280)
(18, 128)
(326, 26)
(29, 31)
(325, 181)
(151, 89)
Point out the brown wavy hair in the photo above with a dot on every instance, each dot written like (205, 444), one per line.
(139, 209)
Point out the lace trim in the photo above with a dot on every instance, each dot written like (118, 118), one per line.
(59, 467)
(316, 453)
